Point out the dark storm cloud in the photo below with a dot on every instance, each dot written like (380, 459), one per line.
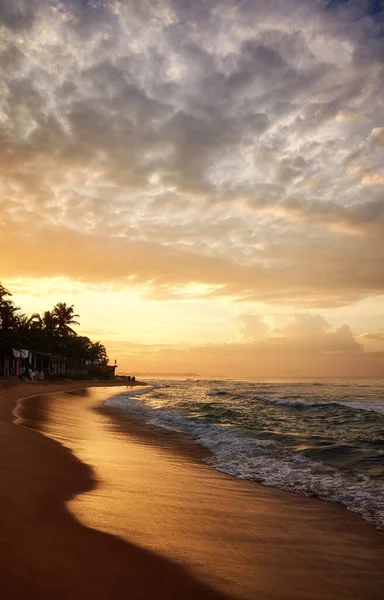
(234, 144)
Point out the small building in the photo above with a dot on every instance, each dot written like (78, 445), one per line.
(102, 371)
(14, 362)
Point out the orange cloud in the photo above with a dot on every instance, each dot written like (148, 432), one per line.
(267, 359)
(186, 150)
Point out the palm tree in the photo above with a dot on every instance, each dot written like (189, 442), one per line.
(98, 352)
(26, 323)
(23, 329)
(49, 322)
(8, 315)
(52, 332)
(35, 321)
(47, 326)
(3, 293)
(65, 316)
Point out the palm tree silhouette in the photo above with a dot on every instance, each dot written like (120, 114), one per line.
(48, 322)
(65, 316)
(49, 332)
(3, 293)
(8, 310)
(98, 352)
(9, 316)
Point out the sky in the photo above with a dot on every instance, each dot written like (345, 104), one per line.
(203, 180)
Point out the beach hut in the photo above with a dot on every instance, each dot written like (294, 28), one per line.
(20, 360)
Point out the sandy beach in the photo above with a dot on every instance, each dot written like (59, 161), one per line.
(101, 506)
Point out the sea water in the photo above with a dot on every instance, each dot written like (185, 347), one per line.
(317, 438)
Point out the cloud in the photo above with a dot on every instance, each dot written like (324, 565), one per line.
(377, 337)
(17, 14)
(309, 347)
(252, 326)
(313, 333)
(304, 332)
(377, 135)
(164, 271)
(236, 145)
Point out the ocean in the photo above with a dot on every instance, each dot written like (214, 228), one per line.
(323, 439)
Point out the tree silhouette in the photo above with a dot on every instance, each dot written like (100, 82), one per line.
(3, 293)
(48, 322)
(98, 352)
(50, 332)
(65, 316)
(9, 316)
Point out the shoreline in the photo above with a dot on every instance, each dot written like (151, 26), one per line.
(12, 391)
(319, 551)
(45, 552)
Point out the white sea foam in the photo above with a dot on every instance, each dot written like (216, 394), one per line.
(260, 460)
(371, 405)
(290, 402)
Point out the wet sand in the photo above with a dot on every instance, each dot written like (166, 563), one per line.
(130, 511)
(45, 553)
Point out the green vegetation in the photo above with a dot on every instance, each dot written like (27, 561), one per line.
(51, 332)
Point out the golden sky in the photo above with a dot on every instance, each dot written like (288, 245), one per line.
(204, 181)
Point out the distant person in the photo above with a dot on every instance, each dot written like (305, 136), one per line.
(133, 378)
(129, 377)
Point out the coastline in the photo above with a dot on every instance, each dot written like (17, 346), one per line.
(13, 390)
(44, 552)
(288, 546)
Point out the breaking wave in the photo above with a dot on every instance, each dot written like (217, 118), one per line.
(329, 447)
